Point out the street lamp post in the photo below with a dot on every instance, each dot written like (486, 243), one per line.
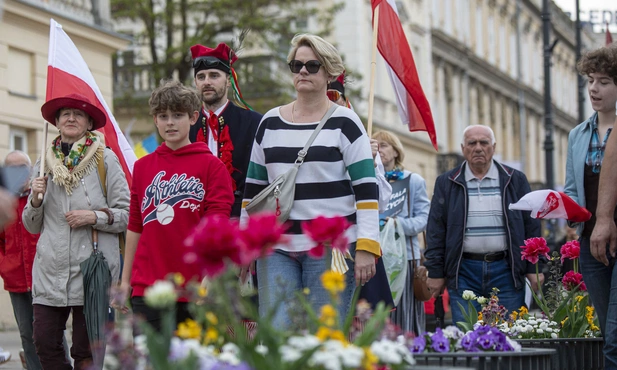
(580, 81)
(548, 116)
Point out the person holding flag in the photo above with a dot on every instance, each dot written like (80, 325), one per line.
(72, 182)
(228, 129)
(586, 148)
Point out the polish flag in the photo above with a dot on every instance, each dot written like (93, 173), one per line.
(551, 204)
(67, 73)
(413, 107)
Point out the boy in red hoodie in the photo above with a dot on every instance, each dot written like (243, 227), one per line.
(173, 188)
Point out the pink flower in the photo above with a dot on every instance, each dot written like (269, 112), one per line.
(212, 242)
(570, 250)
(258, 238)
(326, 231)
(533, 248)
(572, 279)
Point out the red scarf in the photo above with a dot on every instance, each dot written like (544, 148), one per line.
(225, 146)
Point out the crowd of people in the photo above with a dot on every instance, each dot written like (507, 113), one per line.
(216, 156)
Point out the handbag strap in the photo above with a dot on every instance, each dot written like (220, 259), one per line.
(302, 153)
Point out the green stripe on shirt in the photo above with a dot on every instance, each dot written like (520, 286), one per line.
(361, 169)
(257, 172)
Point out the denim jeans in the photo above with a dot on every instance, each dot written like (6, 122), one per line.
(481, 277)
(601, 282)
(24, 315)
(282, 274)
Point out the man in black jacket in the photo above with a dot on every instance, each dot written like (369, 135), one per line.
(473, 239)
(228, 129)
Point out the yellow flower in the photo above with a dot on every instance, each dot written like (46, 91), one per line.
(333, 282)
(328, 315)
(212, 335)
(564, 321)
(212, 319)
(178, 279)
(480, 316)
(323, 333)
(306, 291)
(579, 298)
(513, 315)
(202, 291)
(523, 311)
(369, 360)
(338, 335)
(189, 329)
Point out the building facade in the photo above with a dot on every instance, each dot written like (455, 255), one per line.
(24, 43)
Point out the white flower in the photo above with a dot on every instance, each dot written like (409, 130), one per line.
(140, 344)
(304, 343)
(554, 335)
(352, 356)
(390, 352)
(468, 295)
(230, 348)
(161, 295)
(261, 349)
(229, 358)
(539, 331)
(514, 344)
(289, 354)
(451, 332)
(482, 300)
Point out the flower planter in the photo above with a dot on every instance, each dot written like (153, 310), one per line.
(572, 353)
(527, 359)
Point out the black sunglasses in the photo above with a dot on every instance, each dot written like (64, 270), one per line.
(312, 66)
(209, 62)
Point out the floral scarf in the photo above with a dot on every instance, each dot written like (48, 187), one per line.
(394, 175)
(67, 171)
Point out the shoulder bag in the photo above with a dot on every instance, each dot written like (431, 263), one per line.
(278, 197)
(420, 274)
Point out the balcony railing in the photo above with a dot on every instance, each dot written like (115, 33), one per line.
(95, 12)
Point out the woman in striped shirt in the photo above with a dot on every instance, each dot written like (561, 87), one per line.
(336, 179)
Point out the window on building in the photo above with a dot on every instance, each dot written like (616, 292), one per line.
(20, 72)
(448, 16)
(491, 38)
(18, 140)
(513, 51)
(479, 32)
(503, 58)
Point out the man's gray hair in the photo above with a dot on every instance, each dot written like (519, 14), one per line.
(19, 153)
(490, 130)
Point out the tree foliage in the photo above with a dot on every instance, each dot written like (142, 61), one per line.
(171, 27)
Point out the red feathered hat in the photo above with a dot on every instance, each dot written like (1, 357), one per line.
(220, 58)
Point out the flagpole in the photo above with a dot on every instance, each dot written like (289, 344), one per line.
(43, 151)
(371, 92)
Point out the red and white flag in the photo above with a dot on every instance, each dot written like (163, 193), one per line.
(67, 72)
(551, 204)
(413, 107)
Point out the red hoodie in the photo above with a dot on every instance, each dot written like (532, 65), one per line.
(171, 191)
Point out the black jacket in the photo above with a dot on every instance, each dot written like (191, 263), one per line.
(448, 218)
(243, 125)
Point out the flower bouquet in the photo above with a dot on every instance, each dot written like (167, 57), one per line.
(219, 336)
(481, 338)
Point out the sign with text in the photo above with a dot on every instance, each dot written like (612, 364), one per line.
(398, 198)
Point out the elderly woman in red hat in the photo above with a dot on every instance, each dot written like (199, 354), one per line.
(64, 207)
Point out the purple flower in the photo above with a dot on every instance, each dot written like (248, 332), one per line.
(439, 342)
(224, 366)
(468, 342)
(487, 340)
(419, 344)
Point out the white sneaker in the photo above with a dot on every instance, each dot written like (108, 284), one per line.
(4, 356)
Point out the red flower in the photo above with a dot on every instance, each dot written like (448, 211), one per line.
(533, 248)
(212, 242)
(572, 279)
(260, 235)
(326, 231)
(570, 250)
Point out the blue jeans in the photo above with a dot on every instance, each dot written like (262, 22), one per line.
(601, 282)
(282, 274)
(481, 277)
(24, 315)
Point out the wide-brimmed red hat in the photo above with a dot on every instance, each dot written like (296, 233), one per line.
(75, 101)
(207, 58)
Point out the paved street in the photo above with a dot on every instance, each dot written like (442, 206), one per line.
(9, 341)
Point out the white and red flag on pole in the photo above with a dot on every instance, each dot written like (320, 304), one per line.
(67, 72)
(551, 204)
(413, 107)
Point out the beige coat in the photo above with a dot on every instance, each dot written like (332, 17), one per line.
(56, 275)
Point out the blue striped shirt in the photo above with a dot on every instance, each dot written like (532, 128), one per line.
(485, 230)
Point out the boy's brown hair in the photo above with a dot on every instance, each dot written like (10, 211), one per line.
(174, 96)
(602, 60)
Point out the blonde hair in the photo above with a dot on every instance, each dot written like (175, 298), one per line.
(396, 144)
(326, 53)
